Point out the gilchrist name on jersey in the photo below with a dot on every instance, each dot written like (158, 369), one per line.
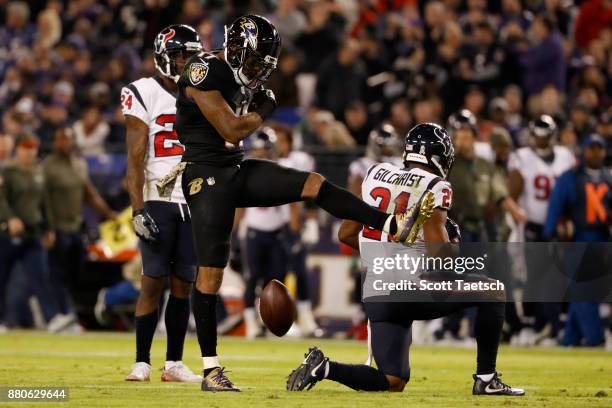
(147, 100)
(393, 190)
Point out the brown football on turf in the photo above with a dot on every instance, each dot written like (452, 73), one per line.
(277, 308)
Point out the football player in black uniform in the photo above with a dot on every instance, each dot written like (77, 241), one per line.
(221, 101)
(390, 322)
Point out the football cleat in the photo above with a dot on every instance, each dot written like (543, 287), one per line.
(305, 376)
(179, 372)
(410, 222)
(140, 372)
(216, 380)
(494, 387)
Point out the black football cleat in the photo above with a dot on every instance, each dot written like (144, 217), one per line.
(494, 387)
(305, 377)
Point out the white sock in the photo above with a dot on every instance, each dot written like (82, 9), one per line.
(211, 362)
(387, 226)
(304, 306)
(170, 364)
(485, 377)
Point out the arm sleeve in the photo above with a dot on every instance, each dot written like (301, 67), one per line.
(443, 195)
(556, 203)
(133, 103)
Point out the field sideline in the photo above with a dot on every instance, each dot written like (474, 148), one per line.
(93, 366)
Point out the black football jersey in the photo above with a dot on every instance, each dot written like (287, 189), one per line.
(203, 144)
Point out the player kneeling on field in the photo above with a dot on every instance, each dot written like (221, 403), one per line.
(428, 155)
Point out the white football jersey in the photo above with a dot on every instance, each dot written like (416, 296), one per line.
(147, 100)
(392, 189)
(539, 178)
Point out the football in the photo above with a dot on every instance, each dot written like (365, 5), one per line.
(277, 308)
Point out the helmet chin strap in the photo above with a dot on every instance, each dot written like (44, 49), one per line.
(440, 169)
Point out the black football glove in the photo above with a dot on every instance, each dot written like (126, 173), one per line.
(453, 230)
(144, 226)
(263, 102)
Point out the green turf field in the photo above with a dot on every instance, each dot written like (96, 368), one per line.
(93, 367)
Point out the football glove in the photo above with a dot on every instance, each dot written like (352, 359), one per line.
(144, 226)
(263, 102)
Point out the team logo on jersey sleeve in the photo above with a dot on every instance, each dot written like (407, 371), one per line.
(197, 72)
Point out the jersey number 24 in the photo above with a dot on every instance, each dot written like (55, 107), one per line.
(165, 142)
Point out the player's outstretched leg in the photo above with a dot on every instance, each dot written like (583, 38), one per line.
(489, 322)
(316, 367)
(344, 205)
(204, 304)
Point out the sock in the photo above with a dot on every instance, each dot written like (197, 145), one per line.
(210, 363)
(488, 329)
(342, 204)
(176, 318)
(304, 306)
(485, 377)
(249, 314)
(205, 314)
(145, 330)
(358, 377)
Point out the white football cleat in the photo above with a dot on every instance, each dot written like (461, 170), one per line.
(179, 372)
(60, 322)
(140, 372)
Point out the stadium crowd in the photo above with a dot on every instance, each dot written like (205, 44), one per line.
(346, 67)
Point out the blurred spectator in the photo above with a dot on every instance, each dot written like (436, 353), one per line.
(318, 40)
(283, 80)
(91, 131)
(473, 187)
(289, 21)
(581, 120)
(479, 61)
(68, 187)
(594, 16)
(501, 144)
(6, 149)
(357, 122)
(49, 28)
(18, 31)
(584, 196)
(340, 79)
(400, 116)
(544, 62)
(24, 229)
(604, 128)
(330, 132)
